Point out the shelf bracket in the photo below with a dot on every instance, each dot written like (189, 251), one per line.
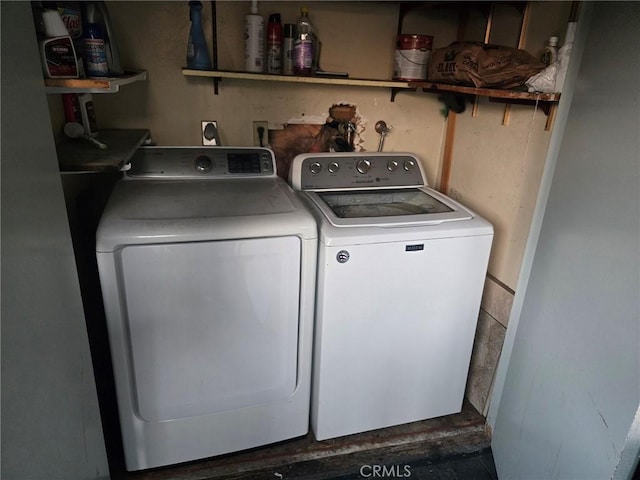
(214, 41)
(447, 157)
(506, 116)
(396, 90)
(551, 116)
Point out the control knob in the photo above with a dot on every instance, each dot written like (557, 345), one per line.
(203, 164)
(333, 167)
(409, 165)
(315, 168)
(392, 165)
(363, 166)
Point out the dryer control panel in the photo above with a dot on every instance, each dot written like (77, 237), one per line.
(202, 162)
(331, 171)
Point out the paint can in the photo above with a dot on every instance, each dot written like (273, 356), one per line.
(411, 57)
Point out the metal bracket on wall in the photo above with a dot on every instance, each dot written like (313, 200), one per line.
(396, 90)
(214, 53)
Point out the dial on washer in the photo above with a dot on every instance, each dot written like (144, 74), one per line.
(363, 166)
(409, 165)
(315, 168)
(203, 164)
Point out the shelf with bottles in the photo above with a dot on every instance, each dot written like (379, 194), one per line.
(94, 84)
(395, 85)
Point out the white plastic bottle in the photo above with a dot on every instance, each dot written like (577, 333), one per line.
(303, 45)
(59, 59)
(550, 52)
(254, 40)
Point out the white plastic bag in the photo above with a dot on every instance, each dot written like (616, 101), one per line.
(563, 62)
(544, 81)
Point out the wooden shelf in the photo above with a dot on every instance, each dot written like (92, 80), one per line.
(357, 82)
(80, 155)
(360, 82)
(92, 85)
(487, 92)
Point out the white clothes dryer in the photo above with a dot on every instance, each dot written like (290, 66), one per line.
(401, 270)
(207, 266)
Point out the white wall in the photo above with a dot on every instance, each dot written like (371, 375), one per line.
(50, 421)
(572, 357)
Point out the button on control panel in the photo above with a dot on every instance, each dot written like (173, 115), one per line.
(409, 165)
(359, 170)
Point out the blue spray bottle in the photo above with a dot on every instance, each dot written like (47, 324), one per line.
(197, 51)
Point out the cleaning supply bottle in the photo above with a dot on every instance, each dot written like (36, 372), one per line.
(287, 48)
(71, 15)
(303, 45)
(59, 59)
(550, 52)
(254, 40)
(197, 51)
(95, 54)
(274, 44)
(97, 12)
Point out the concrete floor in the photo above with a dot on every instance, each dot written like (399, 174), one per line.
(434, 449)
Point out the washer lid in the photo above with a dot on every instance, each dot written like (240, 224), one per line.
(154, 211)
(390, 203)
(171, 199)
(386, 207)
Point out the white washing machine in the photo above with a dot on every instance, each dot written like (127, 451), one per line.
(401, 270)
(207, 266)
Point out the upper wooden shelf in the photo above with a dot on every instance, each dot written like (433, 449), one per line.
(393, 84)
(358, 82)
(92, 85)
(487, 92)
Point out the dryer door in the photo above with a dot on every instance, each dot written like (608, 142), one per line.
(212, 326)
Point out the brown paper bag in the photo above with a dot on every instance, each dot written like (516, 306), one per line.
(482, 65)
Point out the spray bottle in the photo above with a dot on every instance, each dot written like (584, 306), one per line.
(254, 40)
(97, 13)
(197, 50)
(274, 44)
(59, 58)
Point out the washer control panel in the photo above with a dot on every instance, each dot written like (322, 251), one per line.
(355, 170)
(198, 162)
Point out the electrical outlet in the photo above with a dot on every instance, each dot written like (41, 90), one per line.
(210, 133)
(260, 134)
